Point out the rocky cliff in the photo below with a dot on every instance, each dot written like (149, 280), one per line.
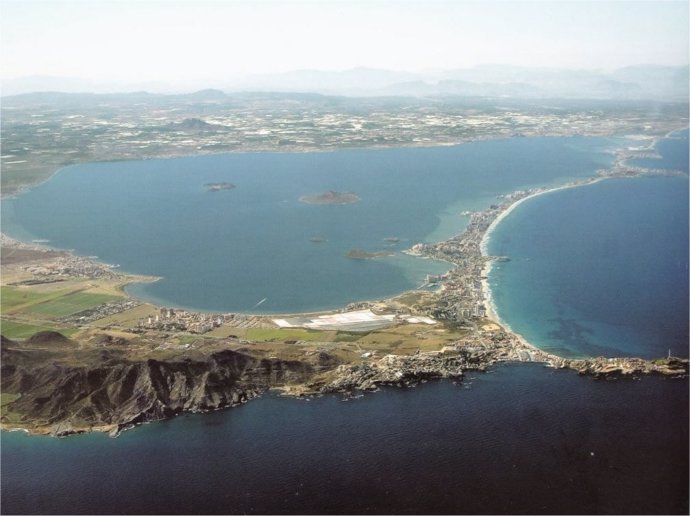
(56, 386)
(404, 370)
(106, 391)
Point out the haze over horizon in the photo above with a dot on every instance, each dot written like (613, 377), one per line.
(108, 45)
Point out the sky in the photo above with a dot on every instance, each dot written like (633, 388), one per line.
(197, 41)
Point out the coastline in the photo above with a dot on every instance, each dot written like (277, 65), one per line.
(10, 242)
(498, 344)
(307, 149)
(620, 163)
(492, 313)
(491, 310)
(24, 187)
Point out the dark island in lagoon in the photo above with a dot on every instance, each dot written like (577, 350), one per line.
(331, 197)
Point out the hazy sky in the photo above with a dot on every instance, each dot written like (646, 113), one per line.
(207, 40)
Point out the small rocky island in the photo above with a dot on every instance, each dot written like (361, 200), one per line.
(359, 254)
(216, 187)
(331, 197)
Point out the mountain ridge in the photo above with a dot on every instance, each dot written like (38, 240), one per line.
(636, 82)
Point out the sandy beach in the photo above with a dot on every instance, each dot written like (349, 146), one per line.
(489, 304)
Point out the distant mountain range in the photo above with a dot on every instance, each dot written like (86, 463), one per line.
(634, 82)
(651, 82)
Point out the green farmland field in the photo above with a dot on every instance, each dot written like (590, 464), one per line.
(70, 304)
(21, 330)
(12, 298)
(267, 334)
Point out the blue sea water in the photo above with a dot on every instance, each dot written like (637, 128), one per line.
(225, 251)
(521, 440)
(601, 269)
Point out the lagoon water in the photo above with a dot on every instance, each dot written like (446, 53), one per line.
(225, 251)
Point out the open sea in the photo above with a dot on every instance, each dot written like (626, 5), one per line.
(600, 270)
(522, 439)
(519, 439)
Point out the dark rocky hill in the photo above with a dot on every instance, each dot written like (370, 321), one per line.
(105, 390)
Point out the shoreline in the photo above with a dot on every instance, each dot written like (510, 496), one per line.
(489, 341)
(23, 188)
(491, 310)
(620, 162)
(11, 242)
(465, 246)
(301, 150)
